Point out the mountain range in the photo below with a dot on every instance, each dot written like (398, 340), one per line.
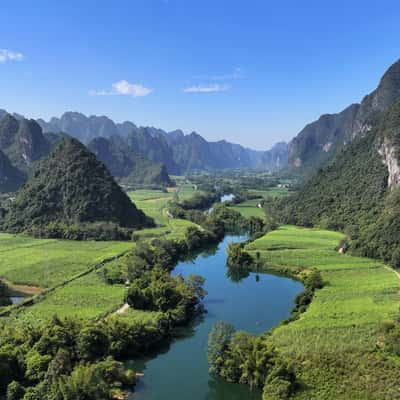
(321, 140)
(179, 153)
(23, 144)
(355, 184)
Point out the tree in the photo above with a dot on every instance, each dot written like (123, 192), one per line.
(196, 283)
(36, 366)
(15, 391)
(396, 258)
(237, 256)
(219, 339)
(93, 343)
(84, 383)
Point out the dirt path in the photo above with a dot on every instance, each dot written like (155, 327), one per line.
(122, 309)
(25, 290)
(392, 270)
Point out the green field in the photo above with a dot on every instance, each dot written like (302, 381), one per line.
(85, 297)
(153, 202)
(249, 208)
(333, 344)
(48, 262)
(272, 192)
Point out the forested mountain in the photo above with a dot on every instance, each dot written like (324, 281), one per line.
(23, 144)
(126, 164)
(178, 152)
(321, 140)
(11, 178)
(358, 192)
(69, 188)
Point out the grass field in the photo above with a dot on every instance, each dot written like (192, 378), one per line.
(249, 208)
(272, 192)
(48, 262)
(333, 344)
(153, 202)
(85, 297)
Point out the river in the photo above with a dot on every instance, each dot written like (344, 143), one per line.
(254, 304)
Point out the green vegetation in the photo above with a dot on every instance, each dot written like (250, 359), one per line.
(117, 299)
(250, 208)
(352, 194)
(86, 297)
(242, 358)
(127, 165)
(71, 358)
(333, 344)
(4, 297)
(68, 192)
(49, 262)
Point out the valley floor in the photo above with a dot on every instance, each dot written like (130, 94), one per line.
(335, 344)
(67, 275)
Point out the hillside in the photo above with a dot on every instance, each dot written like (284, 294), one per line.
(11, 178)
(22, 141)
(69, 188)
(321, 140)
(126, 164)
(358, 192)
(178, 152)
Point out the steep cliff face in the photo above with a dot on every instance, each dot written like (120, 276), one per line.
(358, 192)
(22, 141)
(321, 140)
(388, 153)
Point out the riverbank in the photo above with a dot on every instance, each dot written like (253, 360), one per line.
(333, 345)
(254, 303)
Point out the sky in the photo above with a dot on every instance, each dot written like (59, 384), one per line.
(253, 72)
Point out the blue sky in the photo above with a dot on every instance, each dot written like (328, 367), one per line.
(252, 72)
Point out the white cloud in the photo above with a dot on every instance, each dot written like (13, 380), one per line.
(129, 89)
(7, 55)
(214, 88)
(124, 88)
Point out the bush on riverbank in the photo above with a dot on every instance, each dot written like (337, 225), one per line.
(239, 357)
(50, 360)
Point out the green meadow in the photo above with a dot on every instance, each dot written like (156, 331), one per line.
(86, 297)
(249, 208)
(48, 262)
(333, 345)
(271, 192)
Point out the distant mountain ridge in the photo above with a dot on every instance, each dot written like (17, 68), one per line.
(126, 164)
(178, 152)
(23, 144)
(321, 140)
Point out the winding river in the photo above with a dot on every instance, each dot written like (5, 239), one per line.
(254, 304)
